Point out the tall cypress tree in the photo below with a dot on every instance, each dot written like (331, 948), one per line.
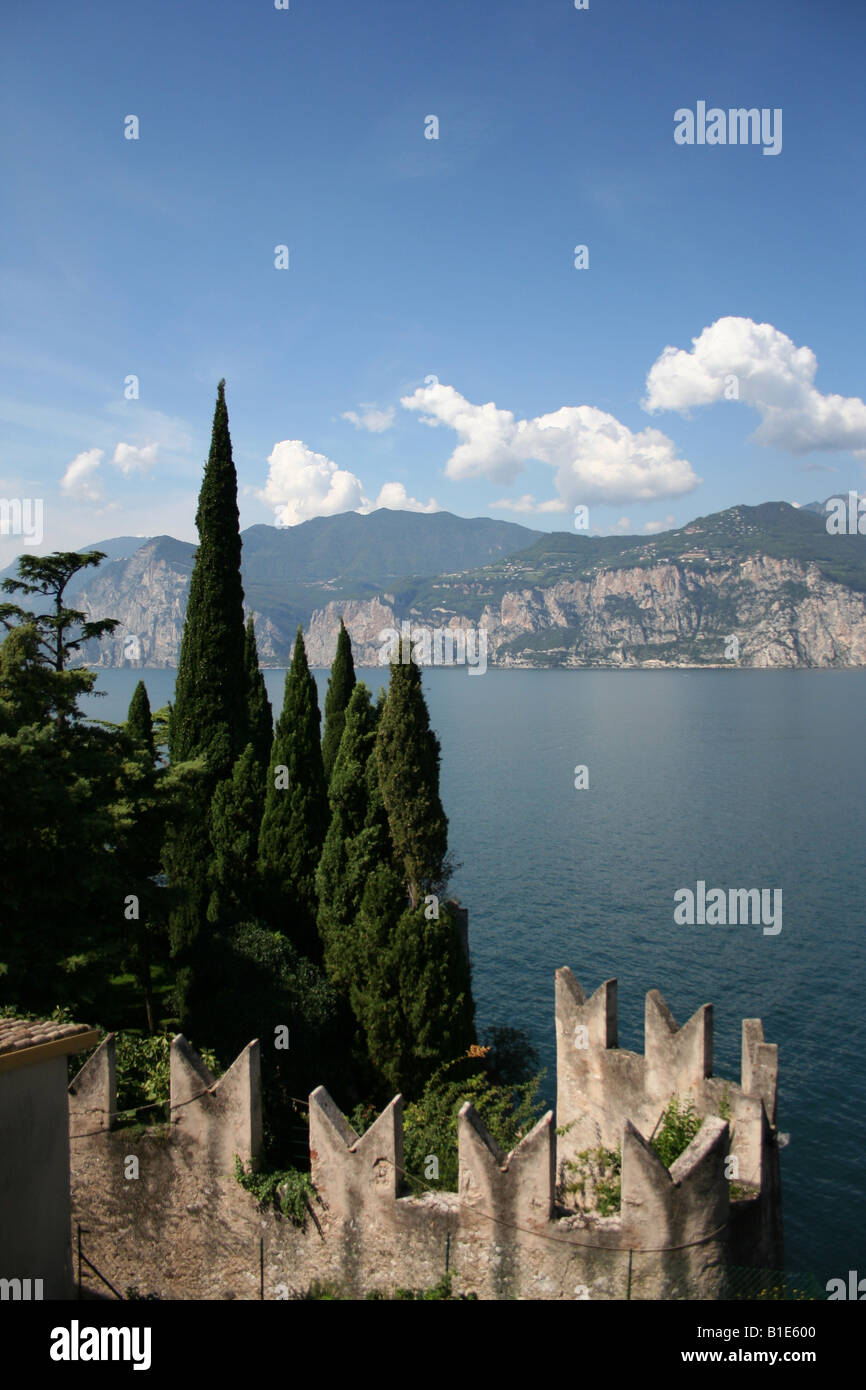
(260, 714)
(358, 839)
(236, 812)
(340, 687)
(408, 756)
(140, 820)
(210, 702)
(210, 716)
(411, 990)
(295, 818)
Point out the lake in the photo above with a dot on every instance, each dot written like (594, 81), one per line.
(737, 779)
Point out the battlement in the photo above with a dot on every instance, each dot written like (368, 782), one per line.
(601, 1087)
(506, 1225)
(220, 1117)
(360, 1179)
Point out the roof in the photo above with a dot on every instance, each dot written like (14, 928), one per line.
(26, 1041)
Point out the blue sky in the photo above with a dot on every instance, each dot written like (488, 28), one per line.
(431, 342)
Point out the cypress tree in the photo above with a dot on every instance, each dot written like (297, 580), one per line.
(411, 988)
(295, 819)
(140, 816)
(434, 989)
(210, 705)
(373, 989)
(357, 840)
(139, 723)
(408, 757)
(210, 717)
(340, 687)
(235, 818)
(259, 712)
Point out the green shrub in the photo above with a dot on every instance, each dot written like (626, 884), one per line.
(594, 1179)
(144, 1070)
(287, 1190)
(430, 1123)
(680, 1124)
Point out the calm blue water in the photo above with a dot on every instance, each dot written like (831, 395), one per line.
(742, 779)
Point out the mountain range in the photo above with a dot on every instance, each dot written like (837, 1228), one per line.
(769, 577)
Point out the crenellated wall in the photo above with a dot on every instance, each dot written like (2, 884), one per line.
(602, 1088)
(185, 1228)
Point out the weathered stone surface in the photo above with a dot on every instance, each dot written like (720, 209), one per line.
(187, 1229)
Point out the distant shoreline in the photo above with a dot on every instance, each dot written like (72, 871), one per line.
(729, 666)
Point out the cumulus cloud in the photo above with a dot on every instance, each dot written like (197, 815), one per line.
(131, 459)
(302, 484)
(80, 480)
(395, 497)
(595, 458)
(371, 419)
(738, 359)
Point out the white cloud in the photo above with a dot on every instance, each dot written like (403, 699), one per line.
(302, 484)
(80, 480)
(623, 525)
(487, 433)
(595, 457)
(130, 459)
(395, 497)
(527, 503)
(372, 419)
(736, 358)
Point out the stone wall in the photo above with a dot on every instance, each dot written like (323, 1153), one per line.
(602, 1088)
(185, 1228)
(34, 1177)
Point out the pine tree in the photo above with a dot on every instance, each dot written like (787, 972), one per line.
(36, 658)
(259, 712)
(30, 691)
(408, 756)
(210, 716)
(340, 687)
(48, 576)
(295, 818)
(60, 901)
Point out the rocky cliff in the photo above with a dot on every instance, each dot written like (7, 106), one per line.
(782, 613)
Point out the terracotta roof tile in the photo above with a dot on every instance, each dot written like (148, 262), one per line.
(17, 1034)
